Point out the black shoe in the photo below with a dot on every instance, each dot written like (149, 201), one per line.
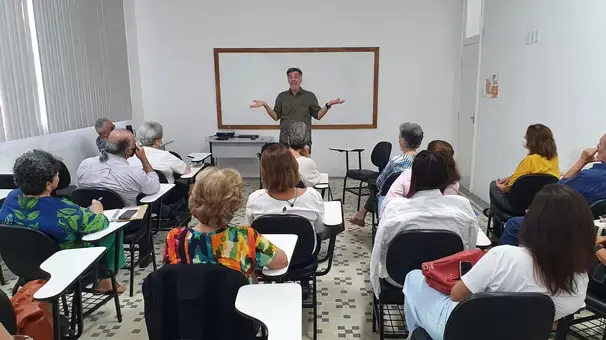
(145, 262)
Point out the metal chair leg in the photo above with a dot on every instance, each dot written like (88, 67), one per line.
(116, 298)
(315, 307)
(381, 318)
(359, 195)
(2, 280)
(374, 314)
(132, 269)
(344, 186)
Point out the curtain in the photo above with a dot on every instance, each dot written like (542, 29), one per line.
(63, 64)
(84, 61)
(21, 97)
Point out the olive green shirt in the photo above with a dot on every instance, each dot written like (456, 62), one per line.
(296, 108)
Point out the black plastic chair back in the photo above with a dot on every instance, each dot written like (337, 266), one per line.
(380, 155)
(290, 224)
(524, 188)
(7, 181)
(24, 249)
(161, 176)
(176, 155)
(598, 208)
(65, 179)
(388, 182)
(409, 249)
(84, 197)
(7, 314)
(529, 317)
(195, 301)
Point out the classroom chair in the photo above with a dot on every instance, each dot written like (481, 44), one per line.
(304, 262)
(379, 157)
(195, 301)
(498, 316)
(25, 264)
(132, 236)
(519, 198)
(406, 252)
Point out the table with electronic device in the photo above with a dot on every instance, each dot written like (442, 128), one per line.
(230, 145)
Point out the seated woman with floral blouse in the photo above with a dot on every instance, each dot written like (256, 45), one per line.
(36, 174)
(215, 197)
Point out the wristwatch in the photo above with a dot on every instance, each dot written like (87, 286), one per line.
(328, 106)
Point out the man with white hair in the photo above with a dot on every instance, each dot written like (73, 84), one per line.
(104, 127)
(149, 135)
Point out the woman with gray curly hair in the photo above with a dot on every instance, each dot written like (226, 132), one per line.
(36, 174)
(410, 138)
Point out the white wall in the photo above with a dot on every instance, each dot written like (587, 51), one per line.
(557, 81)
(71, 147)
(420, 45)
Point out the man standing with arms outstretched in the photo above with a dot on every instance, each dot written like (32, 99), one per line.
(295, 105)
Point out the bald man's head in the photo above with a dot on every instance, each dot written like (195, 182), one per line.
(120, 142)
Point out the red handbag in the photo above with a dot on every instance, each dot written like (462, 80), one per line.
(443, 274)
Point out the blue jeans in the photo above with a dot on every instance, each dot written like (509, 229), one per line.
(425, 307)
(511, 230)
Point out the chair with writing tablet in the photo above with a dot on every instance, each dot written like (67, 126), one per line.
(25, 264)
(379, 157)
(132, 236)
(406, 252)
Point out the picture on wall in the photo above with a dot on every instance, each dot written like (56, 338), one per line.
(491, 87)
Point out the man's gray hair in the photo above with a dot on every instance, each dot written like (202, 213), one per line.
(412, 134)
(297, 135)
(149, 132)
(100, 125)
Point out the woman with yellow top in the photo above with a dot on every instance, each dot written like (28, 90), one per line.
(542, 158)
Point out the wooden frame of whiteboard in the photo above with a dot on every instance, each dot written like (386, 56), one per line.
(375, 94)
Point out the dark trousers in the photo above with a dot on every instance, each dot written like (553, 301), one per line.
(511, 230)
(372, 199)
(498, 198)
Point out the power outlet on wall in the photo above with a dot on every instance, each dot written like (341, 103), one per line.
(532, 37)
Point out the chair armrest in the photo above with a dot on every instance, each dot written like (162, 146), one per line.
(347, 151)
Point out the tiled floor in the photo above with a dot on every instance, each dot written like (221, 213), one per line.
(344, 294)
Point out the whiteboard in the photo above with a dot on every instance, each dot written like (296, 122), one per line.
(242, 75)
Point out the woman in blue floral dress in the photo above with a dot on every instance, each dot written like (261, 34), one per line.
(36, 176)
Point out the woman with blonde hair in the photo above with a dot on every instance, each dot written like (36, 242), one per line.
(215, 197)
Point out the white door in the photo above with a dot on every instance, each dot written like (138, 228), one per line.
(468, 99)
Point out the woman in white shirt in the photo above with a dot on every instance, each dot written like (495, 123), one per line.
(424, 207)
(556, 249)
(297, 140)
(280, 175)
